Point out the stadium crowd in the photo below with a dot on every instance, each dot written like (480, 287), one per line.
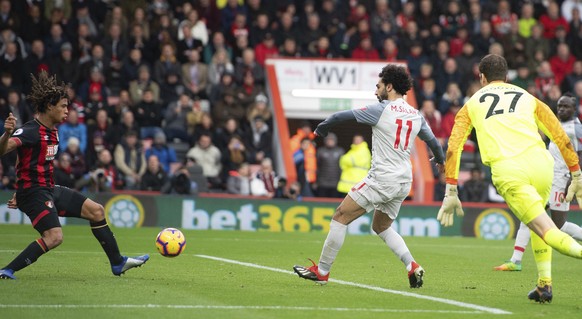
(169, 95)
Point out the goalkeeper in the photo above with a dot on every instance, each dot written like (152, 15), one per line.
(506, 119)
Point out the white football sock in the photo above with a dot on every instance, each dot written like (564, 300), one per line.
(333, 243)
(398, 246)
(521, 240)
(573, 230)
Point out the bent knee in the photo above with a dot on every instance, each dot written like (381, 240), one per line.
(94, 212)
(53, 238)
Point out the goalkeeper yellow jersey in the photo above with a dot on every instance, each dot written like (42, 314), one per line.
(506, 119)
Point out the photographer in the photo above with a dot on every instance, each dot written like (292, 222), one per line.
(104, 178)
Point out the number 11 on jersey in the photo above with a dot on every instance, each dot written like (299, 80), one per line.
(399, 132)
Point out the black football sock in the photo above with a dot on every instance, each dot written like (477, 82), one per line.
(105, 236)
(29, 255)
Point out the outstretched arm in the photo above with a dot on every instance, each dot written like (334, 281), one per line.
(334, 119)
(7, 144)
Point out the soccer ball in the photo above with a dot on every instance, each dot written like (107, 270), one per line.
(170, 242)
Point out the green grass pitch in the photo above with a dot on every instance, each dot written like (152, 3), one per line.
(226, 274)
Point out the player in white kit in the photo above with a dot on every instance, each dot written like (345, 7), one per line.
(571, 124)
(395, 125)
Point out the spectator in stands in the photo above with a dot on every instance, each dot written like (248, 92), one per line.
(83, 43)
(449, 74)
(65, 66)
(452, 96)
(176, 118)
(198, 182)
(475, 189)
(259, 140)
(365, 50)
(258, 29)
(130, 160)
(166, 154)
(149, 115)
(576, 75)
(289, 49)
(154, 178)
(453, 18)
(268, 176)
(562, 63)
(321, 49)
(434, 119)
(188, 42)
(37, 60)
(233, 155)
(72, 127)
(329, 171)
(216, 91)
(248, 64)
(195, 75)
(449, 118)
(198, 29)
(229, 107)
(523, 78)
(55, 40)
(94, 104)
(95, 84)
(63, 173)
(465, 62)
(544, 80)
(143, 83)
(131, 67)
(483, 39)
(266, 49)
(204, 127)
(138, 39)
(416, 58)
(219, 65)
(209, 157)
(247, 93)
(306, 166)
(239, 180)
(552, 19)
(11, 61)
(116, 49)
(287, 29)
(166, 64)
(102, 124)
(217, 44)
(354, 164)
(78, 165)
(15, 105)
(104, 177)
(527, 20)
(560, 38)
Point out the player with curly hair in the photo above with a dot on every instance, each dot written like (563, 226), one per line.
(395, 125)
(36, 195)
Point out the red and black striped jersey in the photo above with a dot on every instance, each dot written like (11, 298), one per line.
(37, 148)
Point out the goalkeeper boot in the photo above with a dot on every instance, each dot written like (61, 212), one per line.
(415, 275)
(7, 274)
(311, 273)
(128, 263)
(541, 294)
(508, 266)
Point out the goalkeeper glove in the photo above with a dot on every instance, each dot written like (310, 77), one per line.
(575, 188)
(451, 203)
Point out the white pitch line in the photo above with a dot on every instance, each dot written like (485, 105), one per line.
(375, 288)
(221, 307)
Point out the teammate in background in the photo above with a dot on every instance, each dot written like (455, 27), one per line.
(395, 125)
(36, 195)
(506, 119)
(566, 111)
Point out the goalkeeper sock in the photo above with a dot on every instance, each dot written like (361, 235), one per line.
(543, 257)
(333, 243)
(397, 245)
(563, 243)
(29, 255)
(573, 230)
(105, 236)
(521, 240)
